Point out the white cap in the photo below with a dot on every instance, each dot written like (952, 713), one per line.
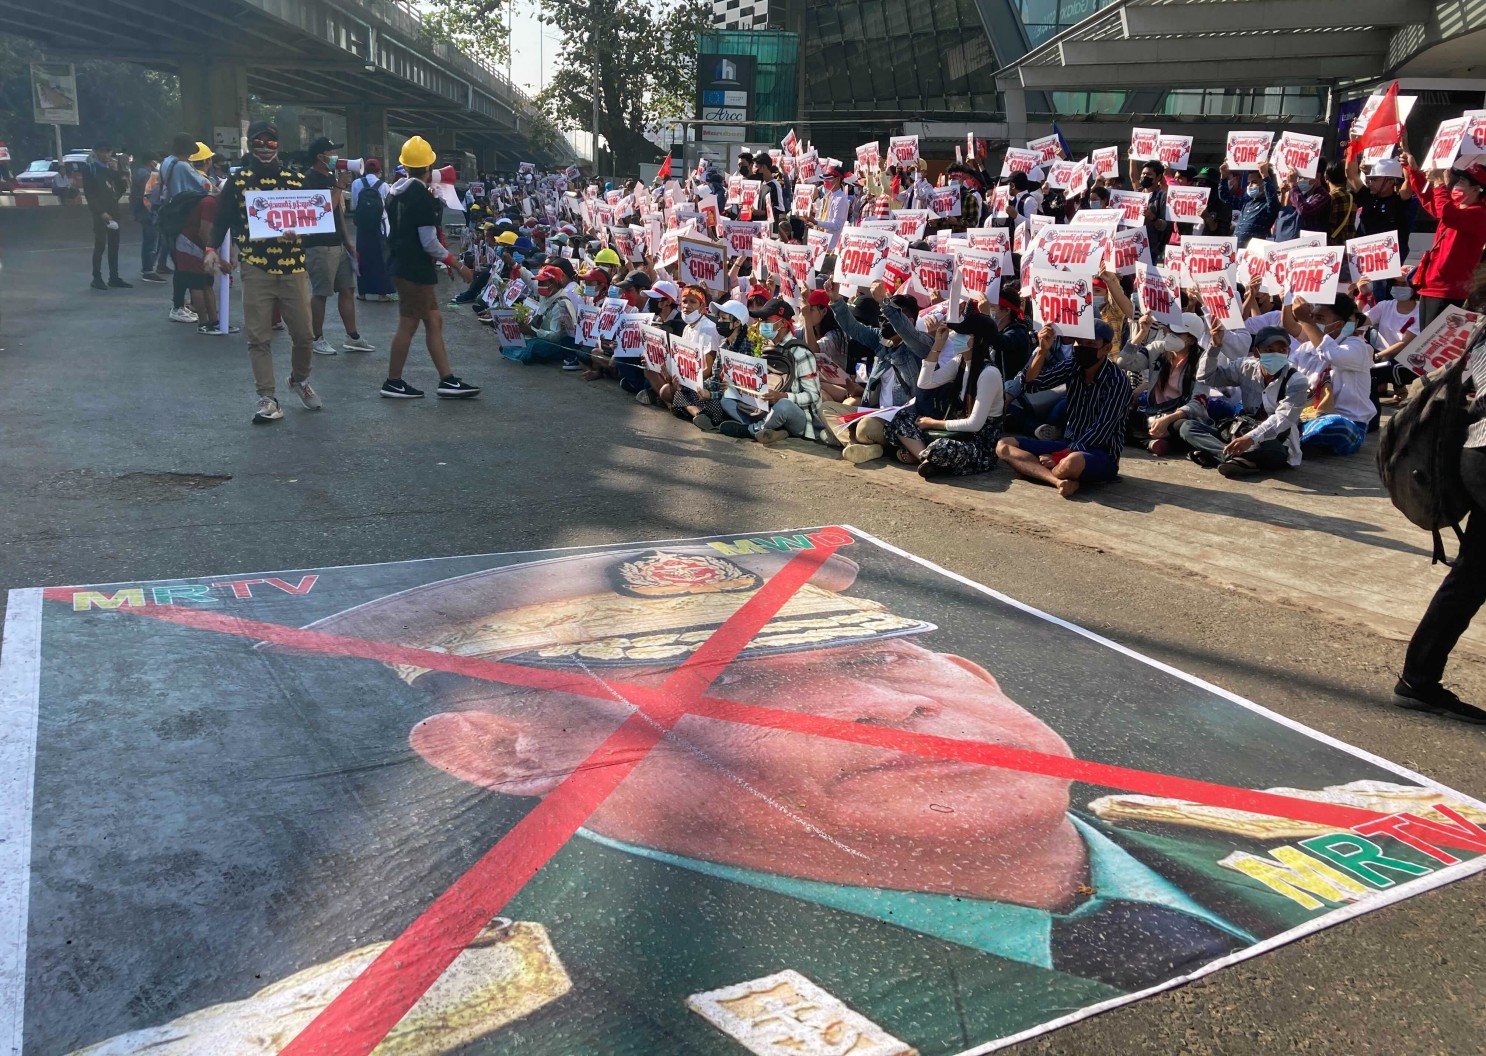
(736, 308)
(664, 288)
(1191, 324)
(1036, 175)
(1465, 161)
(1388, 167)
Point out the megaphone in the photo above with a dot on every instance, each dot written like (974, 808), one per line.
(352, 165)
(443, 187)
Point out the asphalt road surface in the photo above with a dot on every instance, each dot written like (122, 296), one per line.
(128, 454)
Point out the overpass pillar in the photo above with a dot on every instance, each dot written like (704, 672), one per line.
(366, 132)
(214, 104)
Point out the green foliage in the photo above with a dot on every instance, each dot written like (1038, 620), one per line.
(134, 108)
(476, 27)
(646, 61)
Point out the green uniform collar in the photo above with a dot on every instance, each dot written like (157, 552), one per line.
(1018, 933)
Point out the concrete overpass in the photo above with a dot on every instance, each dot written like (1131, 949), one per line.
(367, 58)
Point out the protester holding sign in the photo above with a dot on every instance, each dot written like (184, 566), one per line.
(1150, 177)
(1098, 404)
(1339, 367)
(273, 274)
(831, 210)
(977, 395)
(1273, 394)
(1253, 211)
(1382, 203)
(1444, 275)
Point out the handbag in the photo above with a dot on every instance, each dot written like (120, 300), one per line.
(1323, 400)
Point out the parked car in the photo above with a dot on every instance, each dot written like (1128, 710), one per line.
(40, 175)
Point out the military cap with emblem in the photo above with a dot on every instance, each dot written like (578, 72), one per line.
(635, 607)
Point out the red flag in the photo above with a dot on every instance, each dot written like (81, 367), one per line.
(665, 169)
(1383, 129)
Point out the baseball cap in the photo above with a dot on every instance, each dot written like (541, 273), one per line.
(664, 288)
(524, 245)
(635, 280)
(818, 299)
(737, 309)
(758, 291)
(1269, 335)
(597, 276)
(777, 306)
(552, 275)
(262, 128)
(1191, 323)
(323, 145)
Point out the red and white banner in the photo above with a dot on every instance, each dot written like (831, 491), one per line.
(1132, 204)
(1375, 256)
(1219, 296)
(738, 236)
(1296, 152)
(1175, 152)
(859, 256)
(1314, 273)
(1048, 148)
(1143, 143)
(1106, 161)
(1442, 342)
(931, 272)
(1446, 145)
(1247, 149)
(1130, 248)
(1185, 205)
(1065, 300)
(702, 262)
(507, 328)
(655, 348)
(903, 150)
(1070, 247)
(1205, 254)
(1160, 293)
(1019, 160)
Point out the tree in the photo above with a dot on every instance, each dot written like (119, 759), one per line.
(646, 63)
(476, 27)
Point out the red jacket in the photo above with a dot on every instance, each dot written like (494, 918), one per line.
(1447, 268)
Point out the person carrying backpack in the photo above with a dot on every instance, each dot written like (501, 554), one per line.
(369, 214)
(1439, 438)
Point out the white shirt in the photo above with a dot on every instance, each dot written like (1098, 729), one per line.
(1390, 320)
(830, 214)
(990, 392)
(1351, 363)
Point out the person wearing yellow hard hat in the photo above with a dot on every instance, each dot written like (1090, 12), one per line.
(606, 257)
(417, 247)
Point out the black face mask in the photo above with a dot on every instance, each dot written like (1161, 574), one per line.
(1148, 181)
(887, 331)
(1085, 356)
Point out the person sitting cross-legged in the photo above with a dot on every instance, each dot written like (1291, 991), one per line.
(1099, 397)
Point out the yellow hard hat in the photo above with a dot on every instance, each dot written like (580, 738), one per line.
(202, 152)
(416, 154)
(507, 238)
(606, 256)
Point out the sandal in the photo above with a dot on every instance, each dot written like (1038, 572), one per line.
(907, 457)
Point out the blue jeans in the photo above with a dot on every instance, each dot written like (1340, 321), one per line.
(539, 351)
(149, 243)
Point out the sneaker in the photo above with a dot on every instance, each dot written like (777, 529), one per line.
(737, 430)
(150, 276)
(397, 389)
(704, 423)
(928, 470)
(212, 330)
(322, 347)
(1160, 447)
(572, 364)
(645, 398)
(183, 315)
(1205, 459)
(98, 283)
(1048, 432)
(451, 388)
(1435, 700)
(117, 283)
(770, 436)
(307, 395)
(357, 344)
(1237, 467)
(268, 410)
(856, 454)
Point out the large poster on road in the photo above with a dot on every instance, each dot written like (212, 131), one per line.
(780, 793)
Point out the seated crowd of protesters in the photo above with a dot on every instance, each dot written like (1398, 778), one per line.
(882, 370)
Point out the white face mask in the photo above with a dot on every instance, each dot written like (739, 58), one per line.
(1173, 343)
(690, 318)
(1402, 293)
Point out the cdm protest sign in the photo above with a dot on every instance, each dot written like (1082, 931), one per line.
(1143, 143)
(1132, 204)
(1070, 247)
(1160, 293)
(507, 328)
(859, 256)
(1314, 273)
(1019, 160)
(1065, 299)
(702, 262)
(1442, 342)
(655, 348)
(791, 792)
(1247, 149)
(1048, 148)
(1375, 256)
(1297, 152)
(1185, 205)
(272, 214)
(748, 376)
(1220, 299)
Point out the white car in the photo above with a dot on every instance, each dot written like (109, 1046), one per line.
(40, 175)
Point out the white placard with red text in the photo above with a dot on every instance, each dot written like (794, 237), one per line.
(1313, 274)
(1065, 300)
(702, 262)
(1185, 205)
(1070, 247)
(979, 274)
(1375, 256)
(1205, 254)
(1160, 293)
(1106, 161)
(945, 201)
(931, 272)
(507, 328)
(903, 150)
(684, 363)
(859, 256)
(629, 339)
(1441, 342)
(1175, 152)
(1247, 149)
(1019, 160)
(1130, 248)
(1445, 147)
(1298, 152)
(1132, 204)
(748, 376)
(1143, 143)
(912, 222)
(1048, 148)
(738, 236)
(655, 348)
(1219, 296)
(869, 155)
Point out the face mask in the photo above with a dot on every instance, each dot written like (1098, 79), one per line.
(1305, 186)
(1348, 329)
(766, 331)
(1273, 362)
(330, 160)
(689, 318)
(1173, 343)
(1255, 192)
(1402, 293)
(1147, 181)
(1099, 304)
(590, 291)
(1457, 195)
(1085, 356)
(517, 257)
(887, 331)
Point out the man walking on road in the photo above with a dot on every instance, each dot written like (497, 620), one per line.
(103, 183)
(273, 273)
(328, 257)
(139, 205)
(416, 222)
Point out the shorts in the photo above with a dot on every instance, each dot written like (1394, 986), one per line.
(415, 299)
(1097, 465)
(195, 280)
(330, 270)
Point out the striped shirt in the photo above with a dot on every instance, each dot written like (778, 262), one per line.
(1476, 435)
(1097, 410)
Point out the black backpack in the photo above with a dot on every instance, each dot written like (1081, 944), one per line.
(172, 216)
(1419, 449)
(369, 205)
